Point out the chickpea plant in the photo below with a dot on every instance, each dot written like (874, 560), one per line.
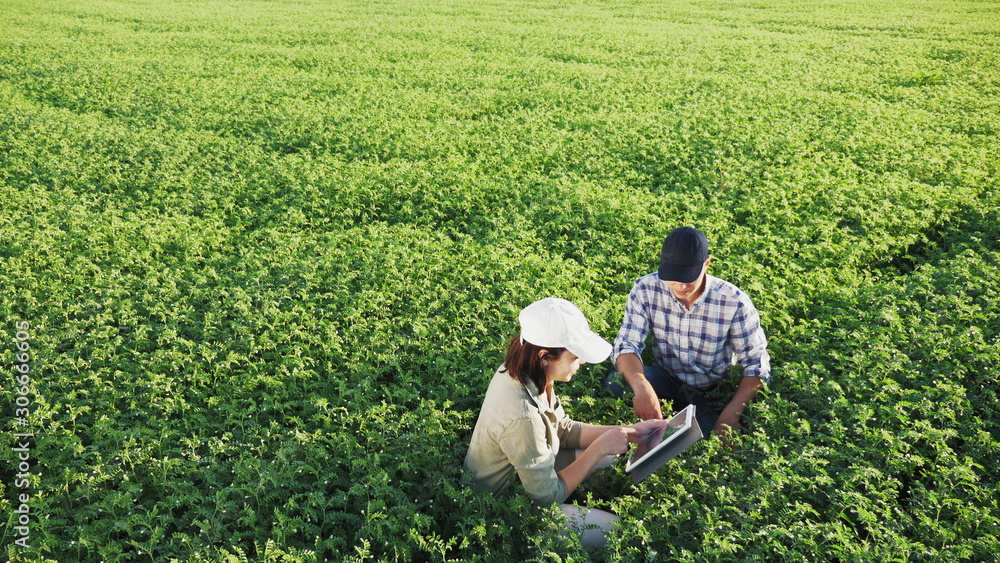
(270, 254)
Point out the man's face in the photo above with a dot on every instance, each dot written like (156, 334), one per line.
(688, 293)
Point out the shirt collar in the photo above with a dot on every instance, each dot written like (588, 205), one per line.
(538, 397)
(710, 283)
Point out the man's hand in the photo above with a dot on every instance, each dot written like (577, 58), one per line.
(645, 402)
(727, 421)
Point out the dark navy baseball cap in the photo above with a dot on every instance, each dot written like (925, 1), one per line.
(684, 253)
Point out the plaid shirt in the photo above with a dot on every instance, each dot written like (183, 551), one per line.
(697, 346)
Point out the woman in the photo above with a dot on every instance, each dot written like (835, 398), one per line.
(523, 428)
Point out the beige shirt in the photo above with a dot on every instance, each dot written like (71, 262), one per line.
(518, 431)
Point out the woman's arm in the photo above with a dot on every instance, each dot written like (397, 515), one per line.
(590, 432)
(600, 441)
(604, 440)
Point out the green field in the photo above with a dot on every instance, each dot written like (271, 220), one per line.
(261, 258)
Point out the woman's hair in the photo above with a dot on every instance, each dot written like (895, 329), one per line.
(524, 364)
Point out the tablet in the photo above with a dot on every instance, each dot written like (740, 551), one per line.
(661, 446)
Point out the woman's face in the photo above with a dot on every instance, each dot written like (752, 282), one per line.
(562, 368)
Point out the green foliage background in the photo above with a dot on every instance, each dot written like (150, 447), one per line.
(271, 252)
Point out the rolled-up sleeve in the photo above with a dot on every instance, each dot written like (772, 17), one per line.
(749, 344)
(631, 337)
(525, 444)
(569, 433)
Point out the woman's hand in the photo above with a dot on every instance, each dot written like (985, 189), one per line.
(613, 441)
(642, 429)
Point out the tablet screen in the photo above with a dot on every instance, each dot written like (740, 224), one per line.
(653, 440)
(660, 438)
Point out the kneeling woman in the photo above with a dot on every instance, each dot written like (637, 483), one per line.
(523, 428)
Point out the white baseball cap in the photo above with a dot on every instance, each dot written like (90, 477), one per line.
(557, 323)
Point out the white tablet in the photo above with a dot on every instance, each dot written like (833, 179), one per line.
(661, 446)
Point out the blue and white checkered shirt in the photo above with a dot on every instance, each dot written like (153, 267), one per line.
(698, 345)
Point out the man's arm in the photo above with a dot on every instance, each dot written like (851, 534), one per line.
(750, 348)
(748, 342)
(645, 403)
(730, 417)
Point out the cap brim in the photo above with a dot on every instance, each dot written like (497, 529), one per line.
(682, 274)
(593, 349)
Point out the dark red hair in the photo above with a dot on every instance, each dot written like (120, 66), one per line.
(524, 364)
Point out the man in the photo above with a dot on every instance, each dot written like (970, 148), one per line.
(700, 326)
